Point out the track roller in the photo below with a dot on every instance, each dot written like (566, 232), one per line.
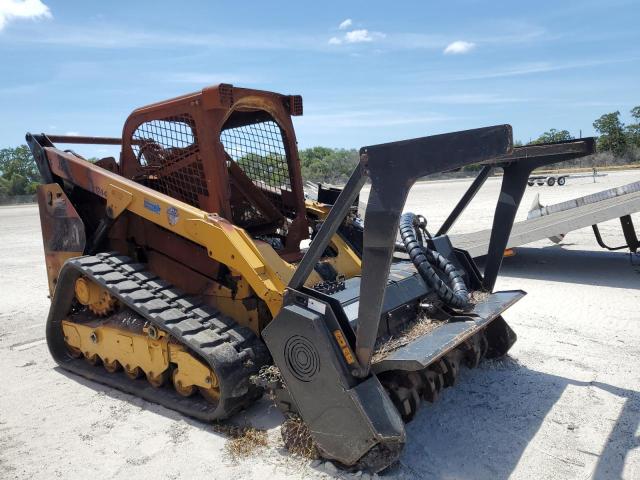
(111, 366)
(157, 379)
(212, 394)
(132, 372)
(184, 390)
(92, 358)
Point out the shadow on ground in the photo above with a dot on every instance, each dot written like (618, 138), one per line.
(584, 267)
(480, 428)
(262, 414)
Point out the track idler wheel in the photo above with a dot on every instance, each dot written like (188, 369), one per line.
(184, 390)
(74, 352)
(210, 394)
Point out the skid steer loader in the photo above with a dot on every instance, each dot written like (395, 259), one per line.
(181, 271)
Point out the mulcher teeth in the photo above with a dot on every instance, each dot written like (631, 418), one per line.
(408, 389)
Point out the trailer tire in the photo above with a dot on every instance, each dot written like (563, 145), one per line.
(551, 181)
(561, 181)
(530, 183)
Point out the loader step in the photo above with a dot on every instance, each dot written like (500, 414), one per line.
(232, 351)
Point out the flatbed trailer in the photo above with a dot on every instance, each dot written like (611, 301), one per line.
(549, 180)
(559, 219)
(551, 221)
(560, 179)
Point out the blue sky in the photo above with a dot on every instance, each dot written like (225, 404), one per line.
(368, 72)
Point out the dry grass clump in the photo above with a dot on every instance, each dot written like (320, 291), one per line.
(270, 379)
(420, 327)
(479, 296)
(297, 438)
(243, 440)
(268, 376)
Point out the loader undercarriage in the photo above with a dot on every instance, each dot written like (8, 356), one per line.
(160, 333)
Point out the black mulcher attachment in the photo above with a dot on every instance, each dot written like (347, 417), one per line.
(357, 359)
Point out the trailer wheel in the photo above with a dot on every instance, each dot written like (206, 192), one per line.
(530, 183)
(551, 181)
(561, 181)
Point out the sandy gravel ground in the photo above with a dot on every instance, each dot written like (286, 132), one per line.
(565, 404)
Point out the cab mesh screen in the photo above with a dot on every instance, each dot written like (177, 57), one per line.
(168, 153)
(258, 148)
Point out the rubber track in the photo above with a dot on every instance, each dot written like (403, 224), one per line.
(234, 352)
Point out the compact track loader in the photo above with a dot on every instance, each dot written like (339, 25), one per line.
(194, 263)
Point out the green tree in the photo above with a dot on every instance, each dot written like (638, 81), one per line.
(632, 131)
(332, 165)
(612, 133)
(553, 135)
(5, 187)
(270, 169)
(18, 161)
(18, 171)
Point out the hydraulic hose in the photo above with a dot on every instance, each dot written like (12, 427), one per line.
(454, 293)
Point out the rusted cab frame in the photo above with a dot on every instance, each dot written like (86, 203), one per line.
(210, 109)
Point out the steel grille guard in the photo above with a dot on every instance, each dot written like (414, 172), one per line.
(393, 168)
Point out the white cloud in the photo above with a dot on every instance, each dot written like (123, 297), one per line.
(361, 35)
(358, 36)
(10, 9)
(345, 24)
(458, 47)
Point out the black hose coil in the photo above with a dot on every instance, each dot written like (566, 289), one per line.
(424, 259)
